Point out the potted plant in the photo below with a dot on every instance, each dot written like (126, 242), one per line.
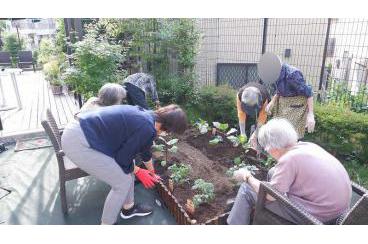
(56, 86)
(52, 73)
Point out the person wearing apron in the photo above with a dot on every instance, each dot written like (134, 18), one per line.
(294, 97)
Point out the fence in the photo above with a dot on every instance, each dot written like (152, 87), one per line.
(331, 53)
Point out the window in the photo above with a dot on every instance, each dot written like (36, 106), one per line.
(236, 74)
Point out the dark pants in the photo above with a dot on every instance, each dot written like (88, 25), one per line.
(136, 96)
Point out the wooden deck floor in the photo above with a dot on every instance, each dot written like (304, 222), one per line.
(36, 97)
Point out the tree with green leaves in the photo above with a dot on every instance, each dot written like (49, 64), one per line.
(13, 46)
(95, 63)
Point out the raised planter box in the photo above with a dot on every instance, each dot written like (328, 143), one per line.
(209, 162)
(179, 213)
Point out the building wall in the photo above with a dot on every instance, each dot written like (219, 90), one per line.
(240, 41)
(33, 32)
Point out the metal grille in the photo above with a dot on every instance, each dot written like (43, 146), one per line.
(331, 53)
(236, 75)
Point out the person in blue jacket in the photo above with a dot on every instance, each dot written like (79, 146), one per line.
(105, 141)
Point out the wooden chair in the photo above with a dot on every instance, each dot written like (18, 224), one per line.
(25, 58)
(5, 59)
(358, 214)
(67, 170)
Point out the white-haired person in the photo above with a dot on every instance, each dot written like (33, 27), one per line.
(305, 172)
(251, 102)
(109, 94)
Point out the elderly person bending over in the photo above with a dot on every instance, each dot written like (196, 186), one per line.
(305, 172)
(109, 94)
(104, 143)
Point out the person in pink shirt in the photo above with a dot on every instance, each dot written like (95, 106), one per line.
(305, 172)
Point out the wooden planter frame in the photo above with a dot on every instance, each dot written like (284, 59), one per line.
(178, 211)
(180, 214)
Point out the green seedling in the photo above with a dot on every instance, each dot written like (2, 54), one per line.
(179, 173)
(216, 140)
(166, 148)
(202, 126)
(221, 127)
(250, 168)
(238, 140)
(205, 192)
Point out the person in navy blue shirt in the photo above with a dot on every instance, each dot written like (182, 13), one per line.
(104, 143)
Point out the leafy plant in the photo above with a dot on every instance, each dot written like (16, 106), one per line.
(96, 63)
(269, 162)
(221, 127)
(13, 45)
(205, 192)
(250, 168)
(166, 147)
(52, 72)
(47, 51)
(216, 140)
(216, 103)
(237, 161)
(179, 173)
(238, 140)
(202, 126)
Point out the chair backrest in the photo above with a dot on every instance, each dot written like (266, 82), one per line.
(53, 133)
(25, 56)
(358, 214)
(5, 58)
(51, 119)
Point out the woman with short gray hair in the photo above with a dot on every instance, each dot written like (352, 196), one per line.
(306, 173)
(109, 94)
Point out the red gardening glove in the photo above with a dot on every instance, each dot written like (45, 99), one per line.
(147, 178)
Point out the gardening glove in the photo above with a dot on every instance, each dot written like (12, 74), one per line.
(310, 122)
(147, 178)
(242, 174)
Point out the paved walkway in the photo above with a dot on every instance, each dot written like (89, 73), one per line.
(32, 178)
(36, 97)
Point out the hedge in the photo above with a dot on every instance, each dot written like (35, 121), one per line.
(342, 132)
(217, 103)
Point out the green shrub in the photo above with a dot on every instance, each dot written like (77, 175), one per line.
(46, 51)
(217, 103)
(342, 132)
(96, 63)
(13, 45)
(51, 70)
(179, 90)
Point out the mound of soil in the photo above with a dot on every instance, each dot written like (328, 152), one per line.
(207, 162)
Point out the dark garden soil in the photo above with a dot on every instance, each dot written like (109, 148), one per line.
(207, 162)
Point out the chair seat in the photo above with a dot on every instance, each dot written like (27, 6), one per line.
(72, 171)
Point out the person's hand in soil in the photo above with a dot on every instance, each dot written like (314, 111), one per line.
(147, 178)
(242, 175)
